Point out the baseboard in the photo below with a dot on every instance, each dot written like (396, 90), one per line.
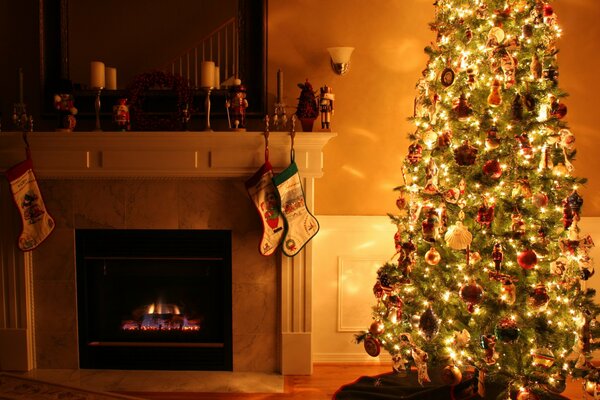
(344, 358)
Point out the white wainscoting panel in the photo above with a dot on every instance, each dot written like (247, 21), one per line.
(347, 252)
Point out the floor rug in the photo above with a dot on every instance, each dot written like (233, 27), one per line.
(14, 387)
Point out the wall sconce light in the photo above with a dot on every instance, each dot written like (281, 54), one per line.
(340, 58)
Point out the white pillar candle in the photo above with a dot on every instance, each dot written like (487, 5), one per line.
(97, 78)
(279, 85)
(217, 77)
(111, 78)
(207, 74)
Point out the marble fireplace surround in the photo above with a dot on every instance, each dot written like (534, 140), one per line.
(154, 180)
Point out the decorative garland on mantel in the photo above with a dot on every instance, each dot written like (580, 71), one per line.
(143, 121)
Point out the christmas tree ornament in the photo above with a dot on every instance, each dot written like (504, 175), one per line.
(526, 394)
(420, 358)
(551, 75)
(586, 268)
(559, 266)
(372, 346)
(445, 139)
(415, 153)
(458, 236)
(451, 375)
(557, 383)
(462, 109)
(509, 292)
(527, 259)
(517, 108)
(263, 193)
(509, 65)
(399, 365)
(447, 77)
(377, 328)
(475, 257)
(592, 388)
(461, 339)
(507, 330)
(465, 154)
(495, 98)
(542, 358)
(429, 324)
(301, 225)
(567, 139)
(432, 257)
(492, 169)
(471, 77)
(37, 224)
(517, 225)
(488, 343)
(560, 170)
(431, 176)
(430, 138)
(485, 214)
(545, 159)
(522, 188)
(495, 37)
(452, 195)
(549, 15)
(378, 290)
(538, 297)
(557, 110)
(394, 312)
(385, 281)
(472, 294)
(539, 200)
(492, 141)
(525, 148)
(468, 36)
(575, 202)
(530, 102)
(535, 67)
(528, 30)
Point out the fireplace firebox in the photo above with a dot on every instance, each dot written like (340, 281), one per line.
(154, 299)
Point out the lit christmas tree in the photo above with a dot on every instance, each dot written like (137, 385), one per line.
(490, 265)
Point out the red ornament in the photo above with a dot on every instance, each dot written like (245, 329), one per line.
(415, 153)
(372, 346)
(472, 294)
(527, 259)
(492, 169)
(465, 154)
(485, 214)
(377, 328)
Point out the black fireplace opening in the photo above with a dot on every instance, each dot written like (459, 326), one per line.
(154, 299)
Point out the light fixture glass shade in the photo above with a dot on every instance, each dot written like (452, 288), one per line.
(340, 58)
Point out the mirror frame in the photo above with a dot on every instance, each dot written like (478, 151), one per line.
(252, 23)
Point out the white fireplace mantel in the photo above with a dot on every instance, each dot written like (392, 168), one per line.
(161, 154)
(154, 155)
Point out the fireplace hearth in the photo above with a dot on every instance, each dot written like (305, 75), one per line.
(154, 299)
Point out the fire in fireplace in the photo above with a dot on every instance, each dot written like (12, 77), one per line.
(154, 299)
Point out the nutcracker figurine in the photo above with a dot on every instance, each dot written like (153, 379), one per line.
(326, 98)
(236, 106)
(121, 115)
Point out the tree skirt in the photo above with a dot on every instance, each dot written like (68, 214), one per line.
(14, 387)
(395, 386)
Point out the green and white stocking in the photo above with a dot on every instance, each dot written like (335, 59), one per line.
(37, 223)
(264, 196)
(300, 223)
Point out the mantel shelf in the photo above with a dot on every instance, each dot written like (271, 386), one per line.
(83, 155)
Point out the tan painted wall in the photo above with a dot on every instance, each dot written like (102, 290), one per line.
(362, 165)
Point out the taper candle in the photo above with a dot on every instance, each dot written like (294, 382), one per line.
(207, 74)
(20, 85)
(217, 77)
(111, 78)
(97, 78)
(279, 85)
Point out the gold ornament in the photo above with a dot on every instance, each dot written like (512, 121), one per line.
(432, 257)
(377, 328)
(542, 358)
(451, 375)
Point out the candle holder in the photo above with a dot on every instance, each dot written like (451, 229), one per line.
(208, 89)
(21, 119)
(279, 117)
(97, 107)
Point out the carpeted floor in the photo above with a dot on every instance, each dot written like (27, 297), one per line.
(14, 387)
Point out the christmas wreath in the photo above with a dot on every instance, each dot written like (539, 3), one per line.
(142, 120)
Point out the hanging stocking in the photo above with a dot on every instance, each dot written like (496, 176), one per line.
(37, 223)
(262, 192)
(300, 223)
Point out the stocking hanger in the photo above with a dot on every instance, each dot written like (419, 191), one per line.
(266, 135)
(293, 135)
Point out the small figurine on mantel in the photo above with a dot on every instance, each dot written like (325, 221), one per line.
(64, 103)
(121, 115)
(236, 105)
(326, 98)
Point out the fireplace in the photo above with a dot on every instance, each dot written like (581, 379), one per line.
(154, 299)
(155, 180)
